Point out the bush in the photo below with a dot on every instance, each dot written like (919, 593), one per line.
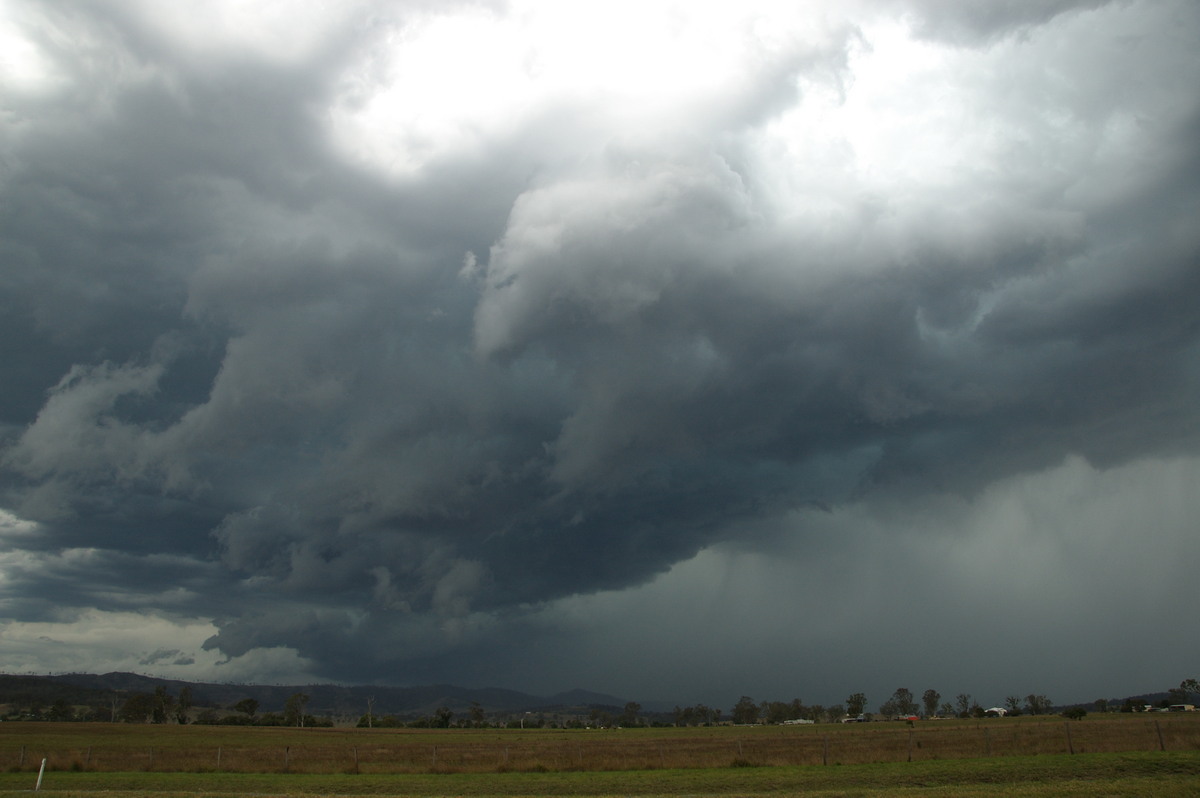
(1074, 713)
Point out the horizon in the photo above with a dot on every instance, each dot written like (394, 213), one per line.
(645, 701)
(689, 351)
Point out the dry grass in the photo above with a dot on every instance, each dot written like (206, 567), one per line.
(1164, 775)
(207, 749)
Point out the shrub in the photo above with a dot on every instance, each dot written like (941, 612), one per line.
(1075, 713)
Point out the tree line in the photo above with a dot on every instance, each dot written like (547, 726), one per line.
(162, 707)
(903, 703)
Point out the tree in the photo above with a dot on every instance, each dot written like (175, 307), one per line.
(1037, 704)
(931, 698)
(1013, 704)
(901, 703)
(963, 700)
(61, 710)
(442, 717)
(247, 706)
(856, 703)
(183, 704)
(774, 712)
(946, 710)
(1191, 687)
(137, 708)
(477, 714)
(745, 711)
(630, 716)
(293, 709)
(163, 702)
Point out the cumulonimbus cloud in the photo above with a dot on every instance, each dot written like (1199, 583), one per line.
(395, 337)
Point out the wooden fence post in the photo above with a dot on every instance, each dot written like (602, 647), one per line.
(1070, 745)
(218, 757)
(1162, 746)
(825, 752)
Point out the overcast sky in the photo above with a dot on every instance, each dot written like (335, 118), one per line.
(673, 350)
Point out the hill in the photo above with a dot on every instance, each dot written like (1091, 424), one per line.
(337, 701)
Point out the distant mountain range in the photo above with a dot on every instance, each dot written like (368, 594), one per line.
(347, 702)
(324, 699)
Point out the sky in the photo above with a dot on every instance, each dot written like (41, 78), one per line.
(678, 351)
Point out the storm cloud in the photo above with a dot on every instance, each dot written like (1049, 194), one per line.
(525, 344)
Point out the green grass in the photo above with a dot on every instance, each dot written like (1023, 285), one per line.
(1127, 774)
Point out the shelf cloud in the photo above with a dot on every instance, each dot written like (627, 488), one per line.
(543, 346)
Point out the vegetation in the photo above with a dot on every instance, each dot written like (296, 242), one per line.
(31, 698)
(547, 763)
(108, 747)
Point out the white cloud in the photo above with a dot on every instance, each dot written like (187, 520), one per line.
(96, 641)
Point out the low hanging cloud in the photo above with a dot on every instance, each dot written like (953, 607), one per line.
(392, 348)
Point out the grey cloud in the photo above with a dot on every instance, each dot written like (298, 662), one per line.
(388, 419)
(971, 22)
(160, 655)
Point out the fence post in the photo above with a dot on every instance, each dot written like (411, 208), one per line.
(356, 770)
(218, 757)
(22, 762)
(1162, 746)
(1070, 745)
(987, 742)
(287, 751)
(41, 772)
(825, 752)
(910, 741)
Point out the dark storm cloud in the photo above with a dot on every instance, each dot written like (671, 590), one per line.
(386, 410)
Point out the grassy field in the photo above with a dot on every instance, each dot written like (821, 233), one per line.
(1101, 755)
(1136, 774)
